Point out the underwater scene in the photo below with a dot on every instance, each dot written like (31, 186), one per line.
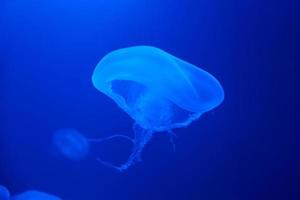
(149, 100)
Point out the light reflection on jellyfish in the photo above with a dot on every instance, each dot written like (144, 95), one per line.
(158, 91)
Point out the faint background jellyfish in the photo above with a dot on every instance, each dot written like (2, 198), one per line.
(159, 91)
(27, 195)
(4, 193)
(75, 146)
(34, 195)
(71, 143)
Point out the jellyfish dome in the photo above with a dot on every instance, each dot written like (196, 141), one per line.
(71, 143)
(35, 195)
(152, 86)
(4, 193)
(158, 90)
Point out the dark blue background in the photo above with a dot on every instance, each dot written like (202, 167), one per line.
(247, 148)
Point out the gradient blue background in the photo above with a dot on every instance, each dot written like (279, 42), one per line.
(247, 148)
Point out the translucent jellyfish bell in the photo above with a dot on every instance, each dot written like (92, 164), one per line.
(27, 195)
(4, 193)
(71, 143)
(35, 195)
(159, 91)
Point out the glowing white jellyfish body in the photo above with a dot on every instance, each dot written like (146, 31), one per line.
(159, 91)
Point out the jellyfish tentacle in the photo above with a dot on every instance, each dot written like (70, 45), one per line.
(172, 135)
(110, 138)
(108, 164)
(142, 137)
(135, 155)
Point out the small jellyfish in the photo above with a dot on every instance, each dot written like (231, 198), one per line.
(35, 195)
(28, 195)
(71, 143)
(156, 89)
(75, 146)
(4, 193)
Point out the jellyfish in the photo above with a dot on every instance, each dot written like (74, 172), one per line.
(71, 143)
(35, 195)
(159, 91)
(4, 193)
(27, 195)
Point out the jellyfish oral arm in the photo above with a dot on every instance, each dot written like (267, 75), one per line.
(142, 137)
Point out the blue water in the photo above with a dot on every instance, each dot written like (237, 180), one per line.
(246, 148)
